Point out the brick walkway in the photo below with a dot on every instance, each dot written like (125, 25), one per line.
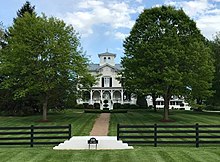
(101, 125)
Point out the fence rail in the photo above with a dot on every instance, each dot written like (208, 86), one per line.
(169, 134)
(34, 135)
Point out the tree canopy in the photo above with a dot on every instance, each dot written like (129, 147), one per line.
(215, 45)
(166, 53)
(27, 7)
(43, 57)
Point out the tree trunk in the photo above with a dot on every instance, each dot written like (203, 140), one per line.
(45, 108)
(154, 101)
(166, 107)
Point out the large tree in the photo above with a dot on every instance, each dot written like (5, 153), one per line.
(215, 45)
(43, 57)
(166, 53)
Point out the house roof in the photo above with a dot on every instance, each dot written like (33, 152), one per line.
(93, 67)
(107, 54)
(96, 67)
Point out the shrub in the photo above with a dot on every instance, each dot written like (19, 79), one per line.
(80, 106)
(90, 106)
(116, 106)
(96, 105)
(125, 106)
(134, 107)
(213, 108)
(85, 105)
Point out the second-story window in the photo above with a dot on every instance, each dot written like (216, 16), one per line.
(106, 82)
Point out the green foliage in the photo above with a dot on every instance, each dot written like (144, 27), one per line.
(26, 8)
(212, 108)
(215, 45)
(44, 57)
(166, 53)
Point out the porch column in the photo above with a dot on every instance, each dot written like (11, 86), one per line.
(101, 101)
(91, 97)
(101, 95)
(122, 96)
(112, 95)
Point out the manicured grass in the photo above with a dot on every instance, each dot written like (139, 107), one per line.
(82, 124)
(139, 154)
(150, 117)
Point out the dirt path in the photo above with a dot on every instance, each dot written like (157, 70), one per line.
(100, 128)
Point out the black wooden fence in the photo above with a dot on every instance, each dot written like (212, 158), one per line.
(34, 135)
(169, 134)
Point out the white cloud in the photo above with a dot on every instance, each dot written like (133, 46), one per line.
(116, 34)
(120, 49)
(107, 33)
(90, 4)
(112, 14)
(139, 1)
(204, 12)
(193, 8)
(140, 9)
(208, 25)
(121, 36)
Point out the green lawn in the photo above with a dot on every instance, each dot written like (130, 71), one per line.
(150, 117)
(82, 124)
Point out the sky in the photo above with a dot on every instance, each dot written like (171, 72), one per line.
(104, 24)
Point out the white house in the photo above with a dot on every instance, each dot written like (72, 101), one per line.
(108, 90)
(175, 103)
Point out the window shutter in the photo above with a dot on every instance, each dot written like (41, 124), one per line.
(102, 82)
(110, 82)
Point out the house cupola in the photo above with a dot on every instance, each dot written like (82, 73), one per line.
(107, 58)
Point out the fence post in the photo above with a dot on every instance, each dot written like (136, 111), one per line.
(117, 131)
(155, 135)
(32, 135)
(197, 135)
(70, 131)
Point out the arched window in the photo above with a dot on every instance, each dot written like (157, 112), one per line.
(104, 59)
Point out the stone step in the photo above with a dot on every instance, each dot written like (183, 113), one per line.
(81, 143)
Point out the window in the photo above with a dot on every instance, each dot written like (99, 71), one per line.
(172, 102)
(106, 82)
(104, 59)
